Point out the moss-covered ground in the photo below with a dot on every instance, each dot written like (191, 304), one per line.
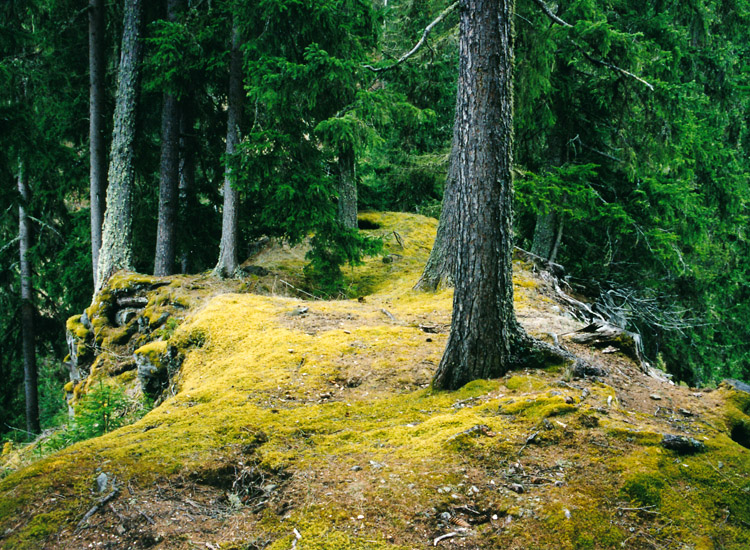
(310, 424)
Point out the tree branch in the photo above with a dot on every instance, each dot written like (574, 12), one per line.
(418, 45)
(548, 12)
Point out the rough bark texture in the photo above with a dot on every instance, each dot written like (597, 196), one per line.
(441, 264)
(228, 264)
(97, 152)
(117, 232)
(164, 259)
(485, 339)
(187, 184)
(544, 235)
(27, 309)
(347, 207)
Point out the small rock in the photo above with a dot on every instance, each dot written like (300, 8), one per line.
(685, 412)
(682, 444)
(445, 516)
(582, 369)
(655, 397)
(569, 400)
(737, 385)
(567, 513)
(517, 488)
(355, 468)
(376, 465)
(101, 482)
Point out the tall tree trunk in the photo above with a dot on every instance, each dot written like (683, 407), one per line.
(98, 154)
(347, 207)
(169, 174)
(484, 332)
(228, 264)
(27, 308)
(439, 270)
(117, 232)
(544, 234)
(187, 183)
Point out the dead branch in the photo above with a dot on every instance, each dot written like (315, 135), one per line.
(98, 506)
(596, 61)
(418, 45)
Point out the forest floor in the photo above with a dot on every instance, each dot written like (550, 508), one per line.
(310, 424)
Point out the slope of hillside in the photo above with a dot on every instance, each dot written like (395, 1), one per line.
(308, 424)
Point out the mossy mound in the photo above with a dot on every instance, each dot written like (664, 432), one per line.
(311, 424)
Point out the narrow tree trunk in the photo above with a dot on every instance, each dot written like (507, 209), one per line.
(484, 332)
(98, 154)
(347, 207)
(440, 265)
(187, 184)
(169, 174)
(544, 234)
(27, 309)
(117, 232)
(228, 264)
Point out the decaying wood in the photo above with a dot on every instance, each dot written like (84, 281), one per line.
(602, 334)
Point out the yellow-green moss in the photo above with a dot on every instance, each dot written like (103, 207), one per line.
(525, 383)
(76, 328)
(537, 407)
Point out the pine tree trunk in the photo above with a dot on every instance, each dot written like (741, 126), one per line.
(228, 264)
(347, 207)
(164, 258)
(117, 231)
(440, 265)
(485, 336)
(187, 184)
(544, 235)
(98, 154)
(27, 309)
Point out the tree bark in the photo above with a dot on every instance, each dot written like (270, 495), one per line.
(117, 232)
(164, 258)
(544, 234)
(347, 207)
(485, 339)
(27, 308)
(187, 183)
(228, 264)
(440, 265)
(97, 152)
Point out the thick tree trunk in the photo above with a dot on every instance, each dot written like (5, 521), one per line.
(485, 337)
(164, 258)
(27, 309)
(347, 207)
(187, 184)
(117, 232)
(98, 154)
(228, 264)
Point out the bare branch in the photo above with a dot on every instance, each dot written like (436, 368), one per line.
(418, 45)
(548, 12)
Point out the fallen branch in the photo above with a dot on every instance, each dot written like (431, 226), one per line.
(98, 506)
(418, 45)
(443, 537)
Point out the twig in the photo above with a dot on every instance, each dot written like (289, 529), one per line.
(529, 439)
(415, 49)
(298, 289)
(388, 314)
(443, 537)
(96, 507)
(148, 518)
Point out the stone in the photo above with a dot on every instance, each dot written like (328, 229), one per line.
(124, 316)
(101, 482)
(682, 444)
(738, 385)
(581, 369)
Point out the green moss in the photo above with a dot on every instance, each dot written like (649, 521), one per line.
(153, 351)
(537, 407)
(525, 383)
(644, 489)
(643, 437)
(74, 326)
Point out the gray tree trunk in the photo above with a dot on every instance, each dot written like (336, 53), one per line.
(187, 184)
(27, 308)
(164, 259)
(544, 235)
(228, 264)
(347, 207)
(117, 232)
(98, 154)
(484, 333)
(440, 265)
